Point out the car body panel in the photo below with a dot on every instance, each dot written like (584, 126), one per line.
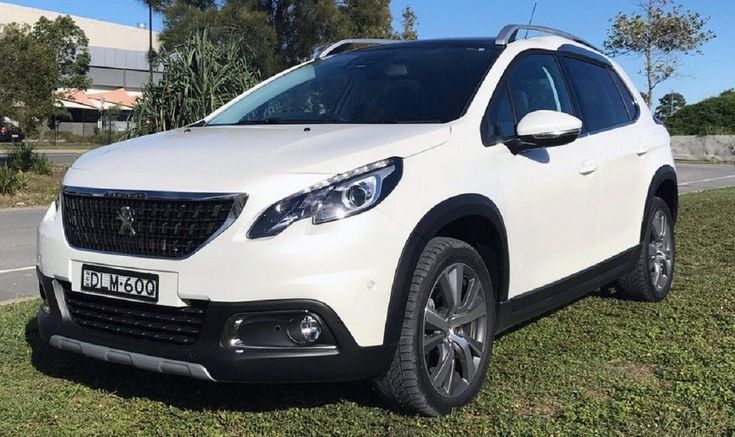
(558, 221)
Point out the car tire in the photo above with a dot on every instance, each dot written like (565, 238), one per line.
(440, 361)
(653, 274)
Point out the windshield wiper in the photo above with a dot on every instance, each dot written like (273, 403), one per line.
(270, 120)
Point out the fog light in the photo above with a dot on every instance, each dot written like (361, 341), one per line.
(45, 307)
(305, 330)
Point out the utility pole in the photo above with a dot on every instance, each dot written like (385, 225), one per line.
(150, 40)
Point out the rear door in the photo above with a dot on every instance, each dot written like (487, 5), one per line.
(608, 114)
(550, 216)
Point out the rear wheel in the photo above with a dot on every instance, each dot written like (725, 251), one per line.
(447, 334)
(654, 271)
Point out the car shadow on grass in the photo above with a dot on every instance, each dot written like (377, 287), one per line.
(187, 393)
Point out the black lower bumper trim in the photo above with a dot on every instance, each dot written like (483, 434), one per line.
(348, 361)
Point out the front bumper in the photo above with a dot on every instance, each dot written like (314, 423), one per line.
(207, 359)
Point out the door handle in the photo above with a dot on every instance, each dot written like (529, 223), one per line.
(588, 166)
(641, 150)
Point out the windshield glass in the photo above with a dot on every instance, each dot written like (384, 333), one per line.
(418, 84)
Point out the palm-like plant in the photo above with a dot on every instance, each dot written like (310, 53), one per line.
(198, 78)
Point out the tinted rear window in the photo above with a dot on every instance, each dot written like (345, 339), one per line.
(599, 100)
(628, 100)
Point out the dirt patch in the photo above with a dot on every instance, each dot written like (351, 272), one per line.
(639, 372)
(41, 190)
(539, 408)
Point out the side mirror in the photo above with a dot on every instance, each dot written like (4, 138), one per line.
(545, 129)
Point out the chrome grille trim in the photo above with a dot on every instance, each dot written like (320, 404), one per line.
(237, 200)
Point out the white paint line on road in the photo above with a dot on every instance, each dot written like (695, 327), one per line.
(683, 184)
(20, 269)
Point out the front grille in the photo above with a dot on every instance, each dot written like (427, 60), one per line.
(145, 224)
(147, 321)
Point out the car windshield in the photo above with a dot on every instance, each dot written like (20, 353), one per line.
(401, 84)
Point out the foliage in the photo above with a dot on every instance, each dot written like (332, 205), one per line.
(27, 77)
(198, 78)
(669, 104)
(600, 366)
(68, 43)
(274, 34)
(11, 181)
(22, 158)
(409, 22)
(33, 190)
(659, 31)
(713, 116)
(36, 62)
(42, 165)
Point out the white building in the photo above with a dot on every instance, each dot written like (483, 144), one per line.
(119, 53)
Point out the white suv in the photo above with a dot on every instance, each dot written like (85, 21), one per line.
(380, 212)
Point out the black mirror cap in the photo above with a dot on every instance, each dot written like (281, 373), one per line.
(529, 142)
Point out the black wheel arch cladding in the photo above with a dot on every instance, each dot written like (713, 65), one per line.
(438, 218)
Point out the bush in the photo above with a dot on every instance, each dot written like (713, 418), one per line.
(42, 165)
(11, 181)
(22, 158)
(713, 116)
(199, 77)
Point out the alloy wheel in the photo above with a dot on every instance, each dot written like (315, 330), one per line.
(660, 251)
(454, 330)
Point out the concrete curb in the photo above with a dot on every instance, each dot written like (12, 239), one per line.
(17, 300)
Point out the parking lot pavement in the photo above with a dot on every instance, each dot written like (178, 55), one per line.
(700, 177)
(18, 229)
(18, 252)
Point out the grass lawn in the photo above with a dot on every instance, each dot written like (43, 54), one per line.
(601, 365)
(41, 190)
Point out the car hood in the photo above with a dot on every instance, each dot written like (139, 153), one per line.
(234, 158)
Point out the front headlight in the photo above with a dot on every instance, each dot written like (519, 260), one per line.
(342, 196)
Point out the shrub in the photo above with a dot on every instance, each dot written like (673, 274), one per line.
(713, 116)
(11, 181)
(42, 165)
(21, 157)
(199, 77)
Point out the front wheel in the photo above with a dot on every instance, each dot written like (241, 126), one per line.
(654, 270)
(448, 330)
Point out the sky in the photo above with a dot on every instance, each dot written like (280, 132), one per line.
(700, 76)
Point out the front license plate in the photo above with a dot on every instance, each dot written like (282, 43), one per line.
(121, 283)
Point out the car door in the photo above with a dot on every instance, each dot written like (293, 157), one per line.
(608, 114)
(552, 193)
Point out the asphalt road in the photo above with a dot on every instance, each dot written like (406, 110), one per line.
(18, 229)
(58, 158)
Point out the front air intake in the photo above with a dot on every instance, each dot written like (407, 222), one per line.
(147, 224)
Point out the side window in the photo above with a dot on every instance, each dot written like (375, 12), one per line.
(500, 123)
(630, 104)
(598, 96)
(536, 83)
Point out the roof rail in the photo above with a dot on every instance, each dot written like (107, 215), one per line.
(509, 34)
(321, 53)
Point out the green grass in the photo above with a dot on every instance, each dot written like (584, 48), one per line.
(602, 366)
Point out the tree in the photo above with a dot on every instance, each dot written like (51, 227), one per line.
(669, 104)
(199, 77)
(68, 44)
(409, 23)
(660, 31)
(713, 116)
(275, 34)
(28, 77)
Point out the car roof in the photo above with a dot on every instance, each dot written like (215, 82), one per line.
(439, 42)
